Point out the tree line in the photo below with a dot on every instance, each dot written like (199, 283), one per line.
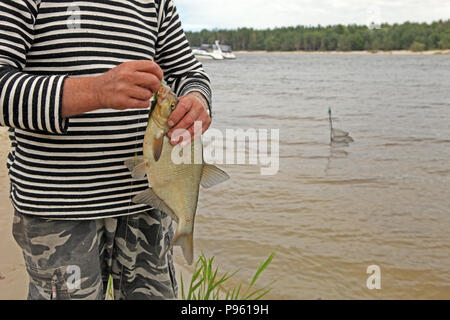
(385, 37)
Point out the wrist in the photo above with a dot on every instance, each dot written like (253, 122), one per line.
(80, 95)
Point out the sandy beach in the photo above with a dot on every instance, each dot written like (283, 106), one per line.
(13, 277)
(394, 52)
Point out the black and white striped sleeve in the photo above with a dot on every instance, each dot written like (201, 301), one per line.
(182, 71)
(30, 102)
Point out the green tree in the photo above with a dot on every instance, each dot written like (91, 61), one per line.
(417, 46)
(404, 36)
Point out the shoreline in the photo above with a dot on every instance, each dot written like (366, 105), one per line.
(363, 52)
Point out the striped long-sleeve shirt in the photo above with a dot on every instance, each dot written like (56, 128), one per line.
(74, 167)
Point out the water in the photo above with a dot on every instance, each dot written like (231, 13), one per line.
(332, 211)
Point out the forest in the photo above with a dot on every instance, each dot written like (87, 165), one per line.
(384, 37)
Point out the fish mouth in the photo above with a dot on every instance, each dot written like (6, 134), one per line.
(164, 91)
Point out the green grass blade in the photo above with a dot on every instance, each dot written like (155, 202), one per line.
(182, 287)
(261, 268)
(110, 289)
(194, 277)
(227, 295)
(236, 297)
(253, 293)
(263, 294)
(206, 285)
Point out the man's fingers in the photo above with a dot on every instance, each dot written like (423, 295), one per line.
(190, 136)
(147, 80)
(132, 103)
(140, 93)
(205, 124)
(191, 133)
(183, 107)
(149, 67)
(188, 119)
(188, 112)
(183, 136)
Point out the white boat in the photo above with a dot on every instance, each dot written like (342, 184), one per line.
(226, 51)
(208, 51)
(214, 51)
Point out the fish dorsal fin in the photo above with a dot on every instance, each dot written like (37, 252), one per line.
(158, 146)
(148, 197)
(137, 167)
(211, 176)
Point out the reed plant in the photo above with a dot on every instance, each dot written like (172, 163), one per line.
(206, 284)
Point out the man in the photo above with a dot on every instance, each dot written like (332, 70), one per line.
(75, 82)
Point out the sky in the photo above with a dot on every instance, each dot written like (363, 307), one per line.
(231, 14)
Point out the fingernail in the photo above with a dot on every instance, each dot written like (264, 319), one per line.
(170, 122)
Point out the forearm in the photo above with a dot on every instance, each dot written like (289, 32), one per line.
(79, 96)
(31, 102)
(129, 85)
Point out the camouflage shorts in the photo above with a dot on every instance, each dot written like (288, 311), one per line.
(73, 259)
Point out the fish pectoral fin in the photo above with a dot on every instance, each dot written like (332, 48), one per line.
(211, 176)
(137, 167)
(133, 162)
(149, 197)
(158, 146)
(139, 171)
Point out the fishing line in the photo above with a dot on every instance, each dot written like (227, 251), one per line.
(128, 213)
(131, 196)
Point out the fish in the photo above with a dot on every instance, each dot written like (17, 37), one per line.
(174, 186)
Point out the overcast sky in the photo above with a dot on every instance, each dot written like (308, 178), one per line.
(231, 14)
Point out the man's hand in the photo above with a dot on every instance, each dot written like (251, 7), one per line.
(129, 85)
(190, 109)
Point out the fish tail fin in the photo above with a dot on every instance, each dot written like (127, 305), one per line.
(186, 242)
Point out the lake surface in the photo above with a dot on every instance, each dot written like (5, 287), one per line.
(332, 211)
